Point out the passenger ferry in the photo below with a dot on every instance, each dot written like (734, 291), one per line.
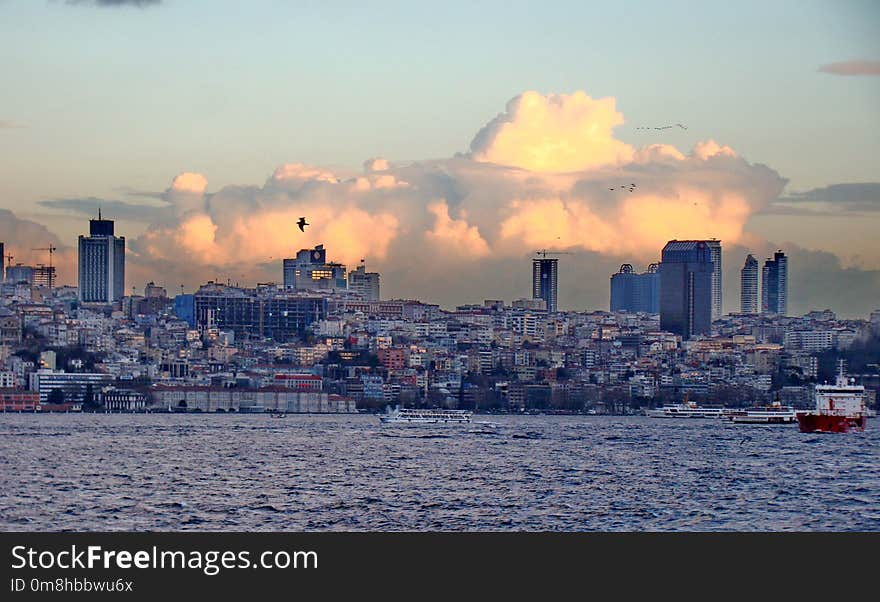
(688, 409)
(775, 413)
(839, 407)
(418, 416)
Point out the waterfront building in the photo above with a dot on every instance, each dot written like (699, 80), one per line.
(545, 281)
(74, 385)
(686, 288)
(633, 292)
(748, 302)
(774, 285)
(101, 263)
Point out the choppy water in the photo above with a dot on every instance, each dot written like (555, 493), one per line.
(247, 472)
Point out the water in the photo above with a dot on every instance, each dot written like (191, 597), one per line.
(528, 473)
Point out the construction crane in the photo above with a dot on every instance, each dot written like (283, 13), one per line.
(51, 248)
(545, 253)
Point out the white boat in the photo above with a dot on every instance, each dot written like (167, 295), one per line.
(420, 416)
(772, 414)
(688, 409)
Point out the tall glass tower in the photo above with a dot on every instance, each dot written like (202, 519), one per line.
(101, 263)
(748, 300)
(545, 281)
(715, 251)
(686, 288)
(774, 285)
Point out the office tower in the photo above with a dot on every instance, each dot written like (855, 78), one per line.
(309, 270)
(748, 297)
(16, 274)
(715, 250)
(774, 285)
(545, 281)
(2, 261)
(101, 263)
(633, 292)
(364, 283)
(686, 288)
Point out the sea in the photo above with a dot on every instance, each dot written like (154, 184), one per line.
(224, 472)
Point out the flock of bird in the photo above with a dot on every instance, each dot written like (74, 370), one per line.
(629, 187)
(662, 127)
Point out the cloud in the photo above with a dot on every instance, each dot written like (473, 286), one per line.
(863, 67)
(10, 125)
(137, 3)
(464, 228)
(834, 200)
(111, 209)
(553, 133)
(23, 237)
(428, 225)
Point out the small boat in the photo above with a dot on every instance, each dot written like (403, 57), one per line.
(400, 415)
(775, 413)
(279, 415)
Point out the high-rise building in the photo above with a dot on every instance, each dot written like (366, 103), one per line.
(774, 285)
(633, 292)
(44, 275)
(309, 270)
(101, 263)
(686, 287)
(715, 250)
(2, 261)
(748, 296)
(364, 283)
(18, 273)
(545, 281)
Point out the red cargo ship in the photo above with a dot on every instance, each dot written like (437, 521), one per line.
(839, 408)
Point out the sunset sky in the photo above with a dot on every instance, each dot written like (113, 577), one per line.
(446, 142)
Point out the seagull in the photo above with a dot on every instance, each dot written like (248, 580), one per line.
(302, 224)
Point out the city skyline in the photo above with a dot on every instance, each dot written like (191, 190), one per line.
(518, 161)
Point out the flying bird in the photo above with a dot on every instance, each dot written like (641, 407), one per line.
(662, 127)
(302, 224)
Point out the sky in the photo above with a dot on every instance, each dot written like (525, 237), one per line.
(204, 127)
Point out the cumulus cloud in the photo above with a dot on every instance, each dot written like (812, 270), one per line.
(852, 68)
(861, 197)
(539, 176)
(553, 133)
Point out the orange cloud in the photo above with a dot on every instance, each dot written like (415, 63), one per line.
(553, 133)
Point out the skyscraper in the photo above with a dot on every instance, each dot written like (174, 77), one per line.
(748, 297)
(364, 283)
(2, 262)
(101, 263)
(545, 281)
(715, 250)
(686, 287)
(774, 285)
(636, 292)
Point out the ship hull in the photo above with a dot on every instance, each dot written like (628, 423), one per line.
(827, 423)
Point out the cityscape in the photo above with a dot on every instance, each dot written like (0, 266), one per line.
(270, 269)
(323, 340)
